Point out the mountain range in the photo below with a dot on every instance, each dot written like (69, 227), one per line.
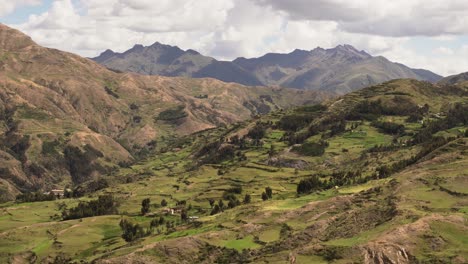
(57, 108)
(339, 70)
(103, 166)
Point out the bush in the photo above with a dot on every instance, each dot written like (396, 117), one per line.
(172, 114)
(247, 199)
(258, 131)
(311, 148)
(389, 127)
(269, 192)
(308, 185)
(145, 206)
(111, 92)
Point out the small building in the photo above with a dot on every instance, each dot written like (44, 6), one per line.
(193, 218)
(57, 192)
(172, 211)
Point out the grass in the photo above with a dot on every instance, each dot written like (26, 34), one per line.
(166, 176)
(240, 244)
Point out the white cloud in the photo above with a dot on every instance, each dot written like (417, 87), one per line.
(444, 51)
(395, 18)
(8, 6)
(231, 28)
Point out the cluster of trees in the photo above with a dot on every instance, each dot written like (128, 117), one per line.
(132, 231)
(267, 194)
(456, 116)
(35, 197)
(258, 131)
(301, 118)
(382, 148)
(334, 123)
(309, 185)
(172, 114)
(371, 110)
(312, 148)
(81, 163)
(338, 178)
(215, 152)
(389, 127)
(232, 201)
(436, 142)
(104, 205)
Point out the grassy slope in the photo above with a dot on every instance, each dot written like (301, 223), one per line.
(350, 223)
(47, 95)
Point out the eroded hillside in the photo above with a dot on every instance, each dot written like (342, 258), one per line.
(67, 120)
(377, 176)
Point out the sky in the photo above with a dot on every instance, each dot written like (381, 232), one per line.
(429, 34)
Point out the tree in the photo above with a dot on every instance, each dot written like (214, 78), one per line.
(131, 231)
(247, 199)
(163, 202)
(264, 196)
(154, 223)
(269, 192)
(232, 204)
(215, 209)
(145, 206)
(183, 215)
(272, 151)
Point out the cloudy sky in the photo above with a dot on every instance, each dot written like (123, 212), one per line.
(428, 34)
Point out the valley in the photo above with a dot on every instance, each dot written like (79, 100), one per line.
(374, 176)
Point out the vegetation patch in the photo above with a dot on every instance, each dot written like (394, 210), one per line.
(172, 114)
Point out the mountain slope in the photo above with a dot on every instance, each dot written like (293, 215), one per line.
(376, 176)
(340, 70)
(159, 59)
(454, 79)
(67, 120)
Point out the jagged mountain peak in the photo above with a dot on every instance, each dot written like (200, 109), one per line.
(340, 69)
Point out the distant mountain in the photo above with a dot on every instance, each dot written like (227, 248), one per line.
(65, 119)
(341, 69)
(159, 59)
(454, 79)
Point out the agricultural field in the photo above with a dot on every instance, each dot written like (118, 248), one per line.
(347, 181)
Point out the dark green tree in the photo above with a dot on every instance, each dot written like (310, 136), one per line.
(269, 192)
(184, 215)
(145, 206)
(215, 209)
(247, 199)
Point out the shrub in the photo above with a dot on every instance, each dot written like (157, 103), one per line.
(172, 114)
(145, 206)
(311, 148)
(308, 185)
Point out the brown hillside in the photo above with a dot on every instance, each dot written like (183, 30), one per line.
(52, 100)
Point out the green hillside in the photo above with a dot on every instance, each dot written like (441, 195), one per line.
(377, 176)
